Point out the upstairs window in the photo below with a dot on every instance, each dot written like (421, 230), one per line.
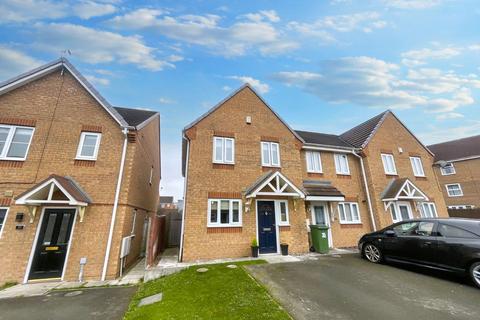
(224, 213)
(348, 212)
(88, 146)
(417, 166)
(448, 169)
(341, 163)
(270, 154)
(314, 162)
(389, 164)
(454, 190)
(15, 142)
(223, 150)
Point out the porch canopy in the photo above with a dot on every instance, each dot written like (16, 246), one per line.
(321, 191)
(273, 183)
(54, 190)
(402, 189)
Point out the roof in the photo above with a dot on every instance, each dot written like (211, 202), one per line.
(135, 117)
(456, 149)
(360, 135)
(260, 180)
(393, 188)
(323, 139)
(321, 188)
(403, 188)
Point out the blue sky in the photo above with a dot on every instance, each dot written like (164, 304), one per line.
(323, 65)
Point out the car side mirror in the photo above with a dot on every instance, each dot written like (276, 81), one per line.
(390, 233)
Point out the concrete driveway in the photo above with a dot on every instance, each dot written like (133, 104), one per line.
(348, 287)
(84, 304)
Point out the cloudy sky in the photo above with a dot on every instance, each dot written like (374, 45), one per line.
(323, 65)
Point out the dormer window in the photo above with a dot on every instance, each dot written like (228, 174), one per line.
(223, 150)
(15, 142)
(88, 146)
(270, 154)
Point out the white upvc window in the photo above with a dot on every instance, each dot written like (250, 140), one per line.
(224, 213)
(270, 154)
(428, 210)
(341, 163)
(314, 161)
(282, 209)
(3, 218)
(15, 142)
(448, 169)
(454, 190)
(88, 146)
(223, 150)
(349, 213)
(462, 206)
(417, 166)
(134, 221)
(389, 164)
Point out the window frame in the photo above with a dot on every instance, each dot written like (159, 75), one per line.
(150, 179)
(413, 164)
(134, 221)
(314, 154)
(384, 157)
(224, 150)
(82, 141)
(335, 156)
(278, 209)
(8, 142)
(350, 204)
(461, 207)
(429, 205)
(450, 164)
(270, 154)
(454, 184)
(4, 220)
(218, 223)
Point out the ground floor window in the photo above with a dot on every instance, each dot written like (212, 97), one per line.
(348, 212)
(224, 212)
(3, 217)
(428, 210)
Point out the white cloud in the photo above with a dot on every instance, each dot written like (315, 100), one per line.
(441, 133)
(165, 100)
(226, 88)
(261, 87)
(451, 115)
(419, 57)
(97, 46)
(89, 9)
(372, 82)
(172, 181)
(97, 80)
(247, 33)
(412, 4)
(14, 62)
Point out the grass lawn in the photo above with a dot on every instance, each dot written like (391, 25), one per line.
(219, 293)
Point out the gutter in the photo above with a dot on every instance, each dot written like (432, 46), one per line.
(115, 205)
(328, 148)
(367, 191)
(180, 252)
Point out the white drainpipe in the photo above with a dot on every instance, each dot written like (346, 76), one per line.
(115, 205)
(180, 252)
(364, 176)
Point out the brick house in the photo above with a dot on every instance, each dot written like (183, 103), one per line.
(457, 166)
(248, 175)
(77, 176)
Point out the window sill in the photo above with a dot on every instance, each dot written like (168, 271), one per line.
(284, 225)
(86, 159)
(350, 223)
(224, 225)
(461, 195)
(13, 159)
(225, 163)
(391, 174)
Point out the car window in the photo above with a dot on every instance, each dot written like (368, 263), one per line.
(406, 229)
(425, 228)
(447, 231)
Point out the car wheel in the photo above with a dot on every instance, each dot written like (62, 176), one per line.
(475, 273)
(372, 253)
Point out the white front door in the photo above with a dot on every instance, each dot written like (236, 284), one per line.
(320, 217)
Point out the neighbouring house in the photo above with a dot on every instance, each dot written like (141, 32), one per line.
(79, 178)
(248, 176)
(457, 166)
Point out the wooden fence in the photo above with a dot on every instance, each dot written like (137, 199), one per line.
(464, 213)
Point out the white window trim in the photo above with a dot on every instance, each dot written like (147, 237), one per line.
(335, 155)
(230, 214)
(462, 206)
(448, 174)
(224, 150)
(270, 150)
(359, 221)
(8, 142)
(412, 162)
(278, 209)
(4, 220)
(384, 156)
(80, 145)
(134, 221)
(430, 205)
(399, 215)
(459, 187)
(313, 154)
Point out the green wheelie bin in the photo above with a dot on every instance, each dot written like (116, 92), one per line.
(319, 238)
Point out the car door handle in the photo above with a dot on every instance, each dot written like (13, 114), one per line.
(427, 243)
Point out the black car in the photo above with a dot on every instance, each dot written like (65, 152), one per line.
(445, 244)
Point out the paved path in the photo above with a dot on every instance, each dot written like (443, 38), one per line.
(95, 303)
(348, 287)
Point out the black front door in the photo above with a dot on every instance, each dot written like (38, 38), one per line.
(267, 233)
(52, 244)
